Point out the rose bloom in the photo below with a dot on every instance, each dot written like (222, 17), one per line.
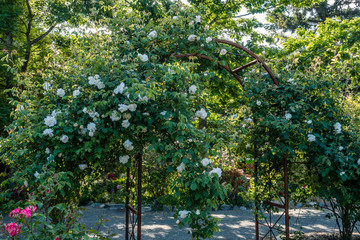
(124, 159)
(26, 213)
(76, 93)
(128, 145)
(32, 208)
(82, 166)
(205, 162)
(192, 89)
(182, 214)
(223, 51)
(132, 107)
(143, 57)
(14, 213)
(198, 18)
(192, 38)
(64, 139)
(201, 114)
(216, 171)
(12, 229)
(60, 92)
(50, 121)
(152, 34)
(208, 39)
(46, 86)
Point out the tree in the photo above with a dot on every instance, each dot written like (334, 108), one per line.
(308, 17)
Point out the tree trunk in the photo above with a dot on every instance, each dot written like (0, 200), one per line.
(27, 58)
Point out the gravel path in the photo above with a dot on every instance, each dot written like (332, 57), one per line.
(235, 224)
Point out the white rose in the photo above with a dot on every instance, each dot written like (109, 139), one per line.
(197, 212)
(152, 34)
(126, 116)
(358, 161)
(37, 175)
(145, 99)
(64, 138)
(47, 151)
(120, 88)
(258, 102)
(82, 166)
(26, 184)
(175, 17)
(309, 121)
(337, 127)
(216, 171)
(50, 121)
(114, 116)
(48, 132)
(198, 19)
(201, 114)
(182, 214)
(172, 72)
(60, 92)
(288, 116)
(123, 107)
(163, 113)
(124, 159)
(223, 51)
(191, 23)
(208, 39)
(341, 148)
(192, 89)
(125, 123)
(128, 145)
(205, 162)
(91, 127)
(249, 120)
(143, 57)
(92, 80)
(100, 85)
(192, 38)
(181, 167)
(311, 138)
(132, 107)
(76, 93)
(46, 86)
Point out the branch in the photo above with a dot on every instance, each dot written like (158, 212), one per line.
(244, 15)
(43, 35)
(28, 28)
(215, 19)
(24, 23)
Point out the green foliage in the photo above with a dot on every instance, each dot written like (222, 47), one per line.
(308, 17)
(304, 120)
(334, 47)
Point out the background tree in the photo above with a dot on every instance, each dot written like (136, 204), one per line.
(308, 17)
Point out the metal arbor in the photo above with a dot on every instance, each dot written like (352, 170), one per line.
(234, 64)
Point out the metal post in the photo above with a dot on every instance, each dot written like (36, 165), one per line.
(127, 210)
(286, 191)
(256, 196)
(139, 158)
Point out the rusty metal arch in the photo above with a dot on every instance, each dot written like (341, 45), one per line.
(133, 214)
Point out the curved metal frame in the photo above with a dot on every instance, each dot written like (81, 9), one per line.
(285, 205)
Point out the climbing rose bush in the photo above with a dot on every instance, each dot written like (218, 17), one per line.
(124, 97)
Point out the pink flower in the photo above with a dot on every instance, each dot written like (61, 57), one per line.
(32, 208)
(14, 213)
(12, 229)
(26, 212)
(118, 186)
(57, 238)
